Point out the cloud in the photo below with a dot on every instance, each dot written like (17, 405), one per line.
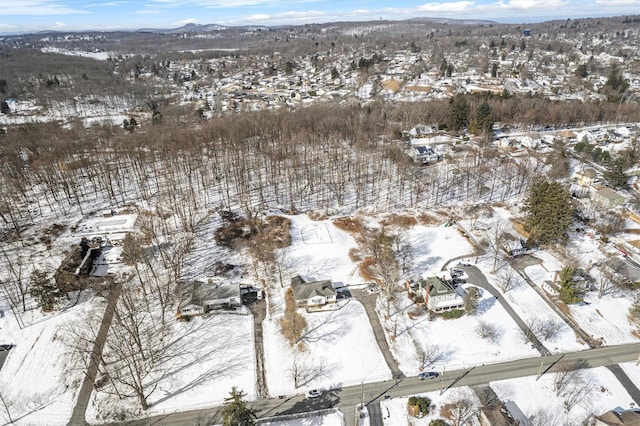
(258, 17)
(36, 7)
(185, 22)
(452, 7)
(618, 2)
(59, 25)
(525, 5)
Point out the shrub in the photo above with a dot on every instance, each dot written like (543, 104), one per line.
(452, 314)
(438, 422)
(418, 406)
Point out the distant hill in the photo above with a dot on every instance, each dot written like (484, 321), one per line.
(454, 21)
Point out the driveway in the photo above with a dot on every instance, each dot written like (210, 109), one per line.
(477, 278)
(369, 303)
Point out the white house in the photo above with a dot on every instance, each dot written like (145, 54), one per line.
(439, 295)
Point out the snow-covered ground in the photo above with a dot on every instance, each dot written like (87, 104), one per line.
(39, 380)
(335, 418)
(602, 392)
(218, 354)
(394, 411)
(534, 399)
(341, 349)
(455, 344)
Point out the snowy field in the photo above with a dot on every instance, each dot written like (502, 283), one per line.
(39, 379)
(320, 251)
(219, 354)
(605, 318)
(455, 344)
(529, 306)
(341, 349)
(394, 411)
(602, 392)
(331, 419)
(432, 247)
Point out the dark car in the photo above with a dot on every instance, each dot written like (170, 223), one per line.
(428, 375)
(6, 347)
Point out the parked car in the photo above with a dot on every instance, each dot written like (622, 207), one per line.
(428, 375)
(455, 272)
(6, 347)
(313, 393)
(458, 280)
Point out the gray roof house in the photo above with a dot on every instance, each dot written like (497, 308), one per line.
(609, 198)
(314, 293)
(202, 298)
(619, 417)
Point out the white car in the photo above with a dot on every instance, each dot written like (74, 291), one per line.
(313, 393)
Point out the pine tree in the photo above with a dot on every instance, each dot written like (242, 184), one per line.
(44, 291)
(567, 291)
(458, 113)
(549, 211)
(235, 411)
(615, 173)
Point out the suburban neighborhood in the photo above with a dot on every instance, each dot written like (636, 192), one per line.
(327, 224)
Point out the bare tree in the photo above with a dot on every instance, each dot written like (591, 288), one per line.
(544, 417)
(507, 279)
(566, 374)
(430, 355)
(497, 239)
(549, 328)
(305, 369)
(487, 331)
(459, 411)
(576, 393)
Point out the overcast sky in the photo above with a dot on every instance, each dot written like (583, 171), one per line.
(37, 15)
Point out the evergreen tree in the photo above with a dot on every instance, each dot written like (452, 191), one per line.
(549, 211)
(43, 290)
(471, 301)
(567, 288)
(458, 113)
(615, 173)
(235, 411)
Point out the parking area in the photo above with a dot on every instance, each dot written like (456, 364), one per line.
(4, 352)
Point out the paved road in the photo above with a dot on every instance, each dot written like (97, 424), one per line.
(346, 398)
(78, 415)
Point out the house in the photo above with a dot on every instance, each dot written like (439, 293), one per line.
(439, 294)
(609, 198)
(424, 155)
(618, 417)
(496, 415)
(586, 177)
(201, 298)
(316, 293)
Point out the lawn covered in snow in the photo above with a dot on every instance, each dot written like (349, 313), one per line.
(455, 343)
(340, 347)
(601, 392)
(40, 379)
(218, 353)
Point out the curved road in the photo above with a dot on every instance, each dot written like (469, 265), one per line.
(346, 398)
